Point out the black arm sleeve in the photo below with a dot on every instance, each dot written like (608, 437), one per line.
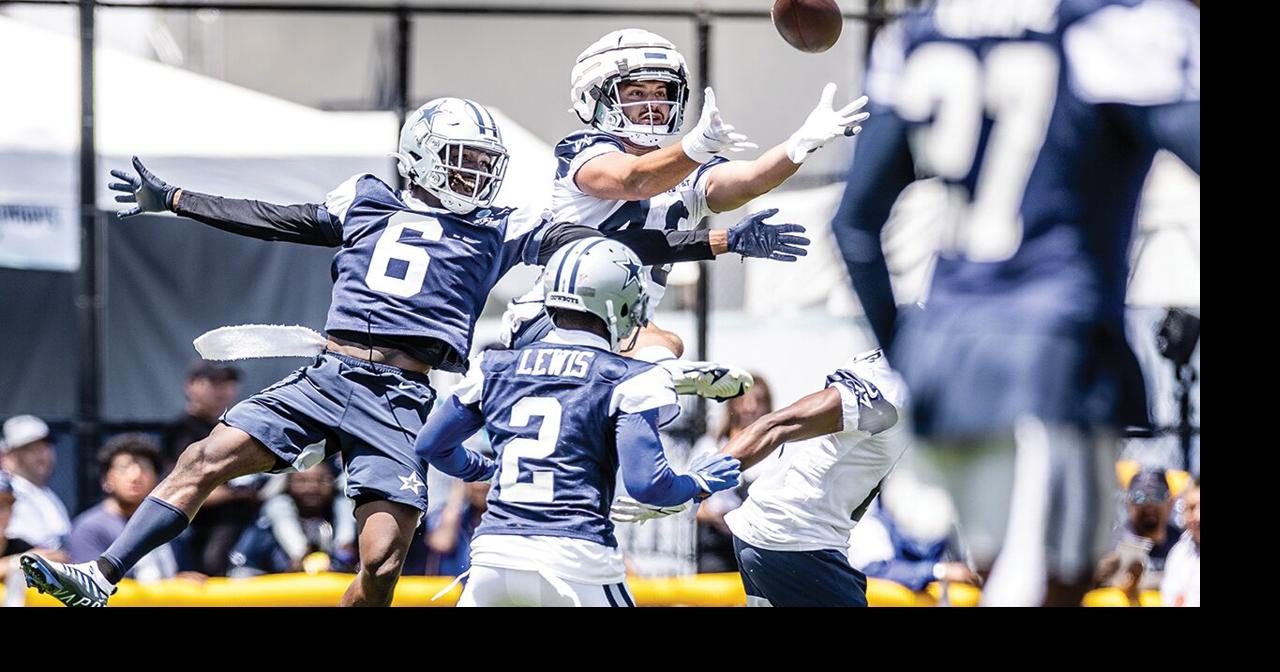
(651, 245)
(308, 223)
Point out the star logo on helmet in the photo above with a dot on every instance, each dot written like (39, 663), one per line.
(633, 272)
(429, 113)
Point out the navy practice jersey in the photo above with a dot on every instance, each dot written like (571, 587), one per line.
(406, 269)
(551, 411)
(1042, 117)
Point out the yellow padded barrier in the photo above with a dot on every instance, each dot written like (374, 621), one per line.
(324, 590)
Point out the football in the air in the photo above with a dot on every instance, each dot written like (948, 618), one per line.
(808, 25)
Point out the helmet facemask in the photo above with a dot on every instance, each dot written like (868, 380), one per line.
(453, 149)
(462, 178)
(658, 119)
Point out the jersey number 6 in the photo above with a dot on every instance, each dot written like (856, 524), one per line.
(399, 268)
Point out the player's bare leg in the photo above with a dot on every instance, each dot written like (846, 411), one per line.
(1032, 509)
(1089, 470)
(206, 464)
(384, 530)
(225, 454)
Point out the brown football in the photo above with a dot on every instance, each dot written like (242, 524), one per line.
(808, 25)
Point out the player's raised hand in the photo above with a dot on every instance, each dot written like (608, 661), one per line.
(824, 123)
(712, 137)
(150, 193)
(753, 237)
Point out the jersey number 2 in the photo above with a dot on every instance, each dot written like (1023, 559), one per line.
(542, 487)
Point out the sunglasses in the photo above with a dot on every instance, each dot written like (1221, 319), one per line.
(1141, 498)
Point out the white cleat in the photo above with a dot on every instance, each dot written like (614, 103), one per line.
(79, 585)
(709, 379)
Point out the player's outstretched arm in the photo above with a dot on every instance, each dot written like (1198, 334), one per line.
(756, 238)
(440, 442)
(649, 478)
(731, 185)
(622, 177)
(711, 472)
(652, 246)
(307, 223)
(645, 471)
(818, 414)
(882, 168)
(618, 176)
(751, 237)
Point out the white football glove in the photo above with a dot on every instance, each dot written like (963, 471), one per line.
(627, 510)
(712, 136)
(824, 123)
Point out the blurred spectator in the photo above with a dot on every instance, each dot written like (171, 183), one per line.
(715, 542)
(1144, 539)
(39, 517)
(10, 574)
(10, 547)
(129, 465)
(1181, 584)
(908, 537)
(211, 389)
(449, 530)
(309, 527)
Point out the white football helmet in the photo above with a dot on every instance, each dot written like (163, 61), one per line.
(433, 146)
(629, 55)
(602, 277)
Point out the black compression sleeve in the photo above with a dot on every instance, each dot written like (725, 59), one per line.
(307, 223)
(651, 245)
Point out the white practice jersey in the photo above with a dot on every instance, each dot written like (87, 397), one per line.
(815, 496)
(680, 208)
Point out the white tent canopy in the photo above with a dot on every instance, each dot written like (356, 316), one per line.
(194, 131)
